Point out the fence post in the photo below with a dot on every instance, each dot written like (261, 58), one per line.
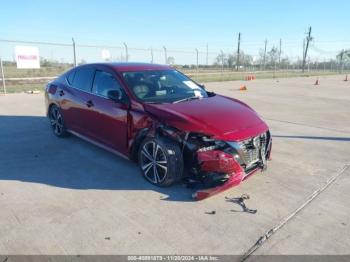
(74, 53)
(207, 56)
(165, 55)
(197, 58)
(126, 52)
(222, 61)
(151, 55)
(2, 75)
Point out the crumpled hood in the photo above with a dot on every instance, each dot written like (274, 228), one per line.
(219, 116)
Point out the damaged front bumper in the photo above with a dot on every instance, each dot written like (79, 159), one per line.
(228, 168)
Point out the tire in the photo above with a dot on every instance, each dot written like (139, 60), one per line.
(57, 122)
(160, 161)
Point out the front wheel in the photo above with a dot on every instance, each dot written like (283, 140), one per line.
(56, 121)
(160, 161)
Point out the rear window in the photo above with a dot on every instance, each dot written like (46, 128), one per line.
(83, 78)
(70, 77)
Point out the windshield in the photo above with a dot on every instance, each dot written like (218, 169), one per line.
(162, 86)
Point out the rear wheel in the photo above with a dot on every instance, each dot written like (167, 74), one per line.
(160, 161)
(56, 121)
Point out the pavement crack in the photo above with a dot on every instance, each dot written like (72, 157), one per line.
(262, 239)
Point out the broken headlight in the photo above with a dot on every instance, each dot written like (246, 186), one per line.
(213, 145)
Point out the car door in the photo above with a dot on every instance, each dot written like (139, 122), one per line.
(108, 117)
(76, 100)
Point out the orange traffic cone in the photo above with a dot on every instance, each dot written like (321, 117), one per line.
(316, 83)
(243, 88)
(346, 78)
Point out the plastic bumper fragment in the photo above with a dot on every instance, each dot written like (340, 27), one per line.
(219, 162)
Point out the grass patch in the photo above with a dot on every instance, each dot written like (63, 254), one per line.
(234, 76)
(202, 76)
(23, 88)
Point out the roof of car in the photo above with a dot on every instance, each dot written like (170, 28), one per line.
(124, 67)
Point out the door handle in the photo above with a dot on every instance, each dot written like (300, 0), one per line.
(61, 93)
(89, 103)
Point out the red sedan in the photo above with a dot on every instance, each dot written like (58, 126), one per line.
(163, 120)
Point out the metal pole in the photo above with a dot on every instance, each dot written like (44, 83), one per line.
(126, 52)
(207, 56)
(197, 57)
(222, 61)
(74, 53)
(265, 54)
(341, 61)
(238, 50)
(279, 55)
(151, 55)
(2, 75)
(165, 55)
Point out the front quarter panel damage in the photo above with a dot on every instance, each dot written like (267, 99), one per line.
(211, 163)
(226, 167)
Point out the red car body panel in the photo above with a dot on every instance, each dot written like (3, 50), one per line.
(116, 126)
(221, 117)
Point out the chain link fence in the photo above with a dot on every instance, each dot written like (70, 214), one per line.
(202, 63)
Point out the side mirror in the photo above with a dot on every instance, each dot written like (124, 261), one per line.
(115, 95)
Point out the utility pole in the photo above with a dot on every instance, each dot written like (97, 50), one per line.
(126, 52)
(165, 55)
(308, 39)
(264, 60)
(238, 47)
(207, 56)
(74, 53)
(197, 57)
(279, 54)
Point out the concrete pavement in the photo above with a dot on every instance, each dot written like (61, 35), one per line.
(66, 196)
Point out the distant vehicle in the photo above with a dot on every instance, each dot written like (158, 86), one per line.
(163, 120)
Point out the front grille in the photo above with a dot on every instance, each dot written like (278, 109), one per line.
(251, 149)
(251, 153)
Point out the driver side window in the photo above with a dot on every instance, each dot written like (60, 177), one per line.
(104, 82)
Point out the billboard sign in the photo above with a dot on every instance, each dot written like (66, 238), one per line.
(27, 57)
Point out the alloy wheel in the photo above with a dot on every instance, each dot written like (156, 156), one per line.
(153, 162)
(56, 120)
